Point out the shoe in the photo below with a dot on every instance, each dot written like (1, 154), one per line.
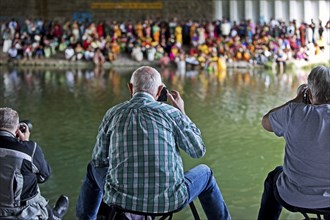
(61, 207)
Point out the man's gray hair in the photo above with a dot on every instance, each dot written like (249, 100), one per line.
(319, 83)
(8, 118)
(146, 79)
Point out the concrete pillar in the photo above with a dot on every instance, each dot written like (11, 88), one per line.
(278, 9)
(249, 11)
(264, 11)
(296, 10)
(308, 10)
(218, 9)
(324, 11)
(293, 10)
(233, 9)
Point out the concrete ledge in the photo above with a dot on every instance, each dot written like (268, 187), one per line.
(125, 61)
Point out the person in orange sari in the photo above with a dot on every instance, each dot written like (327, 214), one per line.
(156, 32)
(193, 28)
(139, 30)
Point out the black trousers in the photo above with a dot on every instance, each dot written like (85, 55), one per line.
(271, 202)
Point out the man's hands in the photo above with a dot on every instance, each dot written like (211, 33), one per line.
(23, 136)
(302, 97)
(303, 94)
(176, 100)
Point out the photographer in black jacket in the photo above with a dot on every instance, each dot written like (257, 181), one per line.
(22, 167)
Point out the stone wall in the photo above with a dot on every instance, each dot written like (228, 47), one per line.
(107, 10)
(121, 10)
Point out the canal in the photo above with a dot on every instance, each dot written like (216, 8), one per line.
(67, 105)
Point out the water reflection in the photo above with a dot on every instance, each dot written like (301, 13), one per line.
(66, 107)
(99, 79)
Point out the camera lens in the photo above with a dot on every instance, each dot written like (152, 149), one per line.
(23, 124)
(163, 95)
(22, 128)
(305, 96)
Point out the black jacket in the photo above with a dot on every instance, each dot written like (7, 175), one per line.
(33, 173)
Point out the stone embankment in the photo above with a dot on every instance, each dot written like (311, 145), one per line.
(125, 61)
(60, 62)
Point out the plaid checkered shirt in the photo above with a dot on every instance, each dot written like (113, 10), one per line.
(139, 141)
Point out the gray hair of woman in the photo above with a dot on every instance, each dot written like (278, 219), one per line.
(146, 79)
(9, 119)
(319, 84)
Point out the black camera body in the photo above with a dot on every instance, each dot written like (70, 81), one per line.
(306, 96)
(163, 95)
(23, 124)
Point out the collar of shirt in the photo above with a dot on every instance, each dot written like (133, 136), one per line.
(6, 133)
(144, 94)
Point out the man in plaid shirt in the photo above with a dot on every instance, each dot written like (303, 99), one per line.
(138, 160)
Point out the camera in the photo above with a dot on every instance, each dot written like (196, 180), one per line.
(303, 89)
(306, 96)
(23, 124)
(163, 95)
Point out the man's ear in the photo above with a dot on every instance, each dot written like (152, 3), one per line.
(159, 91)
(130, 87)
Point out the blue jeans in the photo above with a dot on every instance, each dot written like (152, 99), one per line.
(91, 193)
(202, 184)
(199, 181)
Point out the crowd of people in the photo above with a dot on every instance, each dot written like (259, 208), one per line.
(204, 43)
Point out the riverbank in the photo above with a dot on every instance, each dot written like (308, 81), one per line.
(125, 61)
(59, 61)
(323, 58)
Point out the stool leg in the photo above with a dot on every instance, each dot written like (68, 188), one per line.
(306, 216)
(112, 215)
(194, 211)
(169, 216)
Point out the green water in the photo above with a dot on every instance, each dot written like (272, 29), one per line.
(66, 107)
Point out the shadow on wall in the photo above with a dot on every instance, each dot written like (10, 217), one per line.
(82, 17)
